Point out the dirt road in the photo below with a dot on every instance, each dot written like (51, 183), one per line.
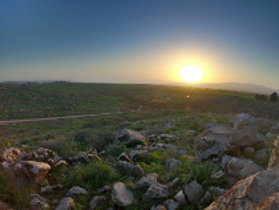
(54, 118)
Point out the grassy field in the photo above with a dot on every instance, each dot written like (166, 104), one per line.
(152, 109)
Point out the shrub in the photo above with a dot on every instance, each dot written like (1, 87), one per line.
(201, 173)
(91, 176)
(273, 97)
(116, 150)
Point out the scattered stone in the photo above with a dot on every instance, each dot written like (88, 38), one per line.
(124, 157)
(51, 189)
(159, 207)
(261, 154)
(128, 168)
(274, 158)
(218, 175)
(158, 146)
(173, 184)
(32, 170)
(37, 203)
(123, 196)
(98, 201)
(76, 190)
(172, 163)
(269, 135)
(194, 192)
(66, 203)
(180, 198)
(92, 155)
(206, 198)
(171, 204)
(139, 154)
(130, 138)
(10, 155)
(148, 180)
(248, 150)
(166, 137)
(191, 132)
(218, 191)
(105, 188)
(155, 192)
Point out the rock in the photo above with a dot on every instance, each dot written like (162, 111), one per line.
(166, 137)
(98, 201)
(173, 184)
(105, 188)
(159, 207)
(230, 138)
(155, 192)
(92, 155)
(51, 189)
(231, 181)
(128, 168)
(148, 180)
(270, 203)
(224, 161)
(130, 138)
(242, 168)
(171, 146)
(218, 191)
(66, 203)
(269, 135)
(139, 154)
(123, 196)
(261, 154)
(37, 203)
(124, 157)
(274, 158)
(10, 155)
(80, 156)
(61, 165)
(170, 204)
(172, 163)
(250, 192)
(76, 190)
(194, 192)
(248, 150)
(32, 170)
(206, 199)
(180, 198)
(191, 132)
(263, 124)
(8, 169)
(218, 175)
(158, 146)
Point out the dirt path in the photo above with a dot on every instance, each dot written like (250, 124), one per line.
(54, 118)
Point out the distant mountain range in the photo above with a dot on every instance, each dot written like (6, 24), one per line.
(240, 87)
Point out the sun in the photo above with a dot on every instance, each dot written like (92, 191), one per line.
(191, 73)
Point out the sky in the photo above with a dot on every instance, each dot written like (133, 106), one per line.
(147, 41)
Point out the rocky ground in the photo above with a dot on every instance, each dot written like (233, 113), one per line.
(232, 168)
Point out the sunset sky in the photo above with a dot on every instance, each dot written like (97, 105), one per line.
(146, 41)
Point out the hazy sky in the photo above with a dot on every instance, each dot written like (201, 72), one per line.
(139, 41)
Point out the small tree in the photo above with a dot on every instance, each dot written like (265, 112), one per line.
(273, 97)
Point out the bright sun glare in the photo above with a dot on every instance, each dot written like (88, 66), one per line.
(191, 73)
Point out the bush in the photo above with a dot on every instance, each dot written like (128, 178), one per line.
(92, 176)
(116, 150)
(273, 97)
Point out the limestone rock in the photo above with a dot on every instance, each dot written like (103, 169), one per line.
(66, 203)
(37, 203)
(148, 180)
(170, 204)
(97, 201)
(130, 138)
(139, 154)
(274, 158)
(155, 192)
(206, 199)
(218, 191)
(33, 170)
(51, 189)
(76, 190)
(180, 198)
(270, 203)
(194, 191)
(128, 168)
(10, 155)
(172, 163)
(248, 193)
(124, 157)
(231, 138)
(123, 196)
(218, 175)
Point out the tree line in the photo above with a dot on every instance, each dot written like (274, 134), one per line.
(273, 97)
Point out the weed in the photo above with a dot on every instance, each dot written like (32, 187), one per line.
(116, 150)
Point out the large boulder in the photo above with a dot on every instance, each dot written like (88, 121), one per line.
(230, 139)
(270, 203)
(130, 138)
(194, 192)
(248, 193)
(122, 195)
(35, 171)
